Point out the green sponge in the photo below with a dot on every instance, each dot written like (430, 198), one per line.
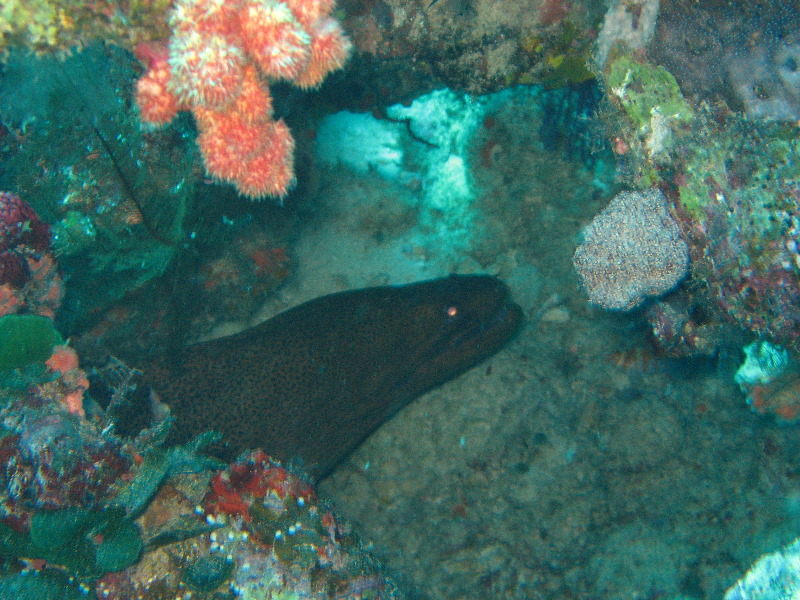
(26, 339)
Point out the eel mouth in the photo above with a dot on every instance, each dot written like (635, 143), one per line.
(490, 318)
(487, 319)
(499, 325)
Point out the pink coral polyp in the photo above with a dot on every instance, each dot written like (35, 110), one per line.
(206, 71)
(275, 39)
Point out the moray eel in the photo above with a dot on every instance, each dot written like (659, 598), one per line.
(311, 383)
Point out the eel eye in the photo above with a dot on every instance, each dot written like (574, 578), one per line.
(451, 312)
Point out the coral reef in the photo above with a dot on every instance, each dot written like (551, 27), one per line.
(279, 535)
(406, 48)
(734, 186)
(217, 64)
(69, 488)
(737, 188)
(82, 510)
(631, 251)
(254, 530)
(52, 457)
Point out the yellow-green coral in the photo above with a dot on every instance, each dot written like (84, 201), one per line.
(34, 22)
(44, 26)
(651, 99)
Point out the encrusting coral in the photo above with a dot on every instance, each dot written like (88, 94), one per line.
(57, 27)
(29, 279)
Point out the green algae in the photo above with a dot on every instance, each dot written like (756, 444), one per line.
(47, 585)
(85, 543)
(26, 340)
(644, 90)
(208, 572)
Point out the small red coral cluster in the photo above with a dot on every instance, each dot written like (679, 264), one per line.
(257, 477)
(218, 63)
(71, 383)
(29, 279)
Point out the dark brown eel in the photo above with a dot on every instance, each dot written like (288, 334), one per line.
(312, 383)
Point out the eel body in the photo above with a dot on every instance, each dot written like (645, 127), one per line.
(313, 382)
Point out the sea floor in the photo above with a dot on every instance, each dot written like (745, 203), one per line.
(577, 462)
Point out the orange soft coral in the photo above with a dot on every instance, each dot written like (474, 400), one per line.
(218, 63)
(63, 360)
(72, 381)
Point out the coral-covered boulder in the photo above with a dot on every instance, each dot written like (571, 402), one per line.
(631, 251)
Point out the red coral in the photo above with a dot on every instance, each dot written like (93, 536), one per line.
(20, 226)
(223, 499)
(233, 491)
(13, 268)
(28, 275)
